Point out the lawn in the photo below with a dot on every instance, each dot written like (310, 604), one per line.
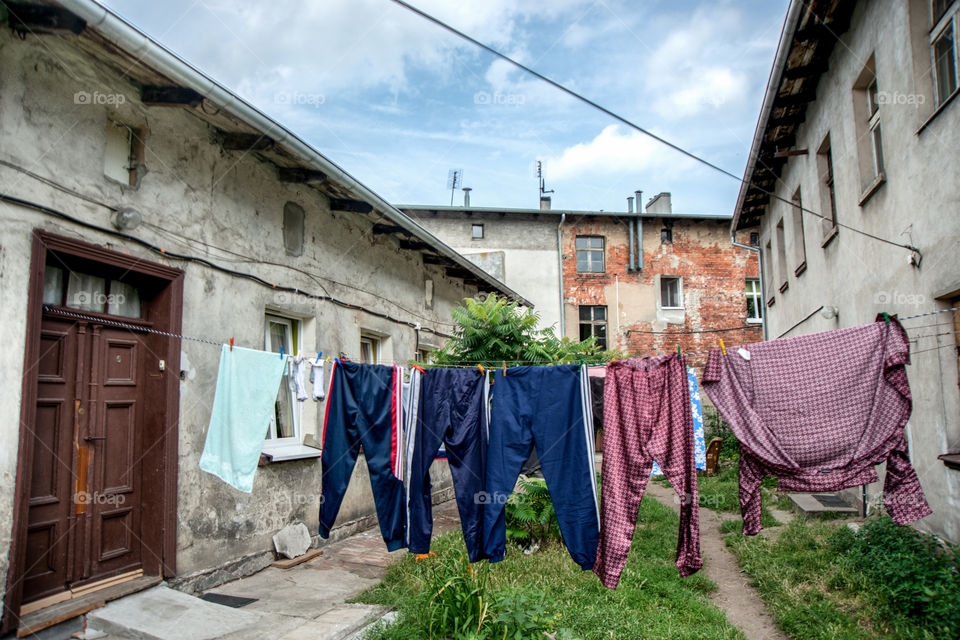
(822, 581)
(652, 600)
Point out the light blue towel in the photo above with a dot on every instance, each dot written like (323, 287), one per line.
(247, 386)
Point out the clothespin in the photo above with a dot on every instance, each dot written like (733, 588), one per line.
(504, 363)
(418, 368)
(678, 350)
(281, 352)
(318, 357)
(231, 344)
(886, 317)
(723, 348)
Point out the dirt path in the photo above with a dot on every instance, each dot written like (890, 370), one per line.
(735, 597)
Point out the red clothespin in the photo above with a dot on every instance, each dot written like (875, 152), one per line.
(418, 368)
(231, 344)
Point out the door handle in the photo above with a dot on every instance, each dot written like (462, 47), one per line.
(92, 438)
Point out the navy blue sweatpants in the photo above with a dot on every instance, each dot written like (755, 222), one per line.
(363, 408)
(548, 407)
(450, 411)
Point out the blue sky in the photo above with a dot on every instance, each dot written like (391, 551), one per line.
(398, 102)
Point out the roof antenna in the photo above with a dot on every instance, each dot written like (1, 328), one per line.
(543, 190)
(454, 180)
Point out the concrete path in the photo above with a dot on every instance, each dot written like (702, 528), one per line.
(734, 596)
(306, 602)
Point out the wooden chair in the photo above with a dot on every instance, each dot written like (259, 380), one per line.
(713, 455)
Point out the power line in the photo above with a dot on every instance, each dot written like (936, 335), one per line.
(631, 124)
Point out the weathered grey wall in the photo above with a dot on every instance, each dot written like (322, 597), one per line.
(195, 198)
(917, 204)
(528, 244)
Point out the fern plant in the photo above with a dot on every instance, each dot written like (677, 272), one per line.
(530, 516)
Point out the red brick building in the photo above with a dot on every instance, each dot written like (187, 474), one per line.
(646, 297)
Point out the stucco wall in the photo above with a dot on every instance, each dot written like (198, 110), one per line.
(528, 244)
(225, 207)
(918, 204)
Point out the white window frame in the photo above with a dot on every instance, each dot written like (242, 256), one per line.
(291, 347)
(591, 254)
(752, 290)
(679, 281)
(873, 128)
(949, 19)
(375, 345)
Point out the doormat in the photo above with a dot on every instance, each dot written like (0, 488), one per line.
(228, 601)
(831, 501)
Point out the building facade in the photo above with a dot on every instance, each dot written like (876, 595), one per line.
(641, 283)
(852, 181)
(140, 202)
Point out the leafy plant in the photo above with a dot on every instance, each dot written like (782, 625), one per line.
(530, 517)
(492, 330)
(714, 426)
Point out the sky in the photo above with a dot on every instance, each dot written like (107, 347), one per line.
(398, 102)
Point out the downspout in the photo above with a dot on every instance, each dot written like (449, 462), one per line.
(763, 293)
(638, 225)
(630, 232)
(563, 324)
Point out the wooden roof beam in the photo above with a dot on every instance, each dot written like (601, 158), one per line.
(236, 141)
(300, 175)
(156, 95)
(349, 204)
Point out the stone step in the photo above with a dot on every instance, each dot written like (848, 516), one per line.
(816, 504)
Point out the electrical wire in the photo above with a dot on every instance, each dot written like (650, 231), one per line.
(633, 125)
(190, 258)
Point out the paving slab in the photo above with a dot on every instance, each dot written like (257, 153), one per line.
(162, 613)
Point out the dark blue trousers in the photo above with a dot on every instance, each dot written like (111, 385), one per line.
(548, 407)
(363, 408)
(450, 412)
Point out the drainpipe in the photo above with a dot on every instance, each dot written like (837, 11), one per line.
(563, 324)
(763, 293)
(630, 232)
(639, 227)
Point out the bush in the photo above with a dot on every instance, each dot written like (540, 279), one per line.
(917, 577)
(530, 517)
(714, 426)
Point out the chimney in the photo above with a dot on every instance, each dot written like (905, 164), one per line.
(466, 196)
(630, 204)
(660, 204)
(544, 203)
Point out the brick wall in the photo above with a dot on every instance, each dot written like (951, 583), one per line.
(713, 274)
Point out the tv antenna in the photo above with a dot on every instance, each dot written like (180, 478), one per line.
(454, 180)
(543, 190)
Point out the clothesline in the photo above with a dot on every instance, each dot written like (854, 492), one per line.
(458, 364)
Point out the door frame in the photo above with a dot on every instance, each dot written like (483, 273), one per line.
(159, 495)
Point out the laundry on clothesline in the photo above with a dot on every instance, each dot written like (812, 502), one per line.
(247, 385)
(699, 440)
(819, 412)
(647, 417)
(316, 378)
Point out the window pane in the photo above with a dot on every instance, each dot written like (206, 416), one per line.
(945, 65)
(53, 285)
(751, 307)
(581, 261)
(585, 331)
(939, 7)
(877, 151)
(86, 292)
(124, 300)
(585, 313)
(596, 243)
(477, 231)
(599, 313)
(582, 243)
(669, 292)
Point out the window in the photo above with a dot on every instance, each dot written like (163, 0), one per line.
(590, 254)
(754, 239)
(765, 274)
(87, 292)
(369, 349)
(943, 47)
(754, 300)
(593, 322)
(123, 154)
(828, 195)
(866, 112)
(782, 257)
(797, 237)
(293, 228)
(670, 297)
(476, 232)
(282, 334)
(666, 234)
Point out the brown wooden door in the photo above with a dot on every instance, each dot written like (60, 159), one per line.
(84, 515)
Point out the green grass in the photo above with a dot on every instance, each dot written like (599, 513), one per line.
(652, 601)
(813, 593)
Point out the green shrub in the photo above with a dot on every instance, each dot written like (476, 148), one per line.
(917, 577)
(714, 426)
(530, 517)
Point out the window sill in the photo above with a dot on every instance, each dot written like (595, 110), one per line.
(757, 321)
(800, 269)
(671, 308)
(290, 452)
(936, 112)
(827, 239)
(872, 187)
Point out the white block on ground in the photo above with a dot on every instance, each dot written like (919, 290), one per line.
(336, 623)
(293, 540)
(162, 613)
